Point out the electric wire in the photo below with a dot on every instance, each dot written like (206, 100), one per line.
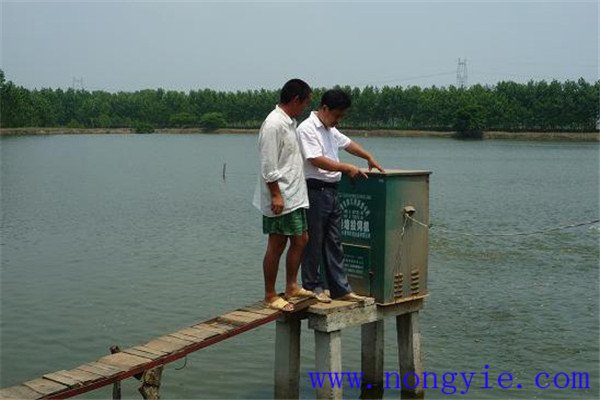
(537, 232)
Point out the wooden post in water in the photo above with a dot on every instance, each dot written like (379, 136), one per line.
(116, 393)
(151, 383)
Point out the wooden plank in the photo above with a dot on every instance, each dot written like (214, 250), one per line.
(19, 392)
(180, 342)
(229, 324)
(248, 314)
(45, 386)
(302, 303)
(100, 369)
(231, 321)
(256, 306)
(223, 325)
(239, 317)
(62, 379)
(140, 353)
(259, 309)
(123, 360)
(163, 346)
(299, 300)
(151, 351)
(210, 328)
(183, 336)
(197, 333)
(81, 375)
(214, 327)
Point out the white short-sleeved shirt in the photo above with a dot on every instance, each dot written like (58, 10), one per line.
(281, 161)
(317, 140)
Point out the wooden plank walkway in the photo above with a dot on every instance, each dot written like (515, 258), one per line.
(135, 360)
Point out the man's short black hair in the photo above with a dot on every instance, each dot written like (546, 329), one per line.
(336, 99)
(293, 88)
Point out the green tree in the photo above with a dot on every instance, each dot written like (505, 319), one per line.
(144, 127)
(469, 122)
(74, 124)
(182, 120)
(212, 121)
(547, 106)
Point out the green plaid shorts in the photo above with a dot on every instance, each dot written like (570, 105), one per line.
(290, 224)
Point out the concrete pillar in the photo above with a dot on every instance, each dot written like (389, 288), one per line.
(287, 358)
(372, 360)
(328, 358)
(409, 355)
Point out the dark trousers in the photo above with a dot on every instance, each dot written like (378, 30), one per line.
(324, 245)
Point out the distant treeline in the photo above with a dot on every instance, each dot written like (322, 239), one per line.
(507, 106)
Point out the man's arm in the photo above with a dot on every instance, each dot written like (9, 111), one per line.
(331, 165)
(276, 198)
(268, 148)
(357, 150)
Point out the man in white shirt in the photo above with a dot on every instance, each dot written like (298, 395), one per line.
(281, 193)
(320, 142)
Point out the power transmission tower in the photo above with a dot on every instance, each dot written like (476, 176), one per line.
(461, 73)
(78, 83)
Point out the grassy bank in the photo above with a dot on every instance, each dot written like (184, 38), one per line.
(538, 136)
(495, 135)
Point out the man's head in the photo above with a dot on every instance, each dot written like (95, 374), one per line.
(334, 104)
(295, 97)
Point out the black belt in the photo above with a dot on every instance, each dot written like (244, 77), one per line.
(319, 184)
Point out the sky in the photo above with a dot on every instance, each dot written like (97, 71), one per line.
(225, 45)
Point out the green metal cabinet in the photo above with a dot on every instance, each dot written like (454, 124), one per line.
(386, 252)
